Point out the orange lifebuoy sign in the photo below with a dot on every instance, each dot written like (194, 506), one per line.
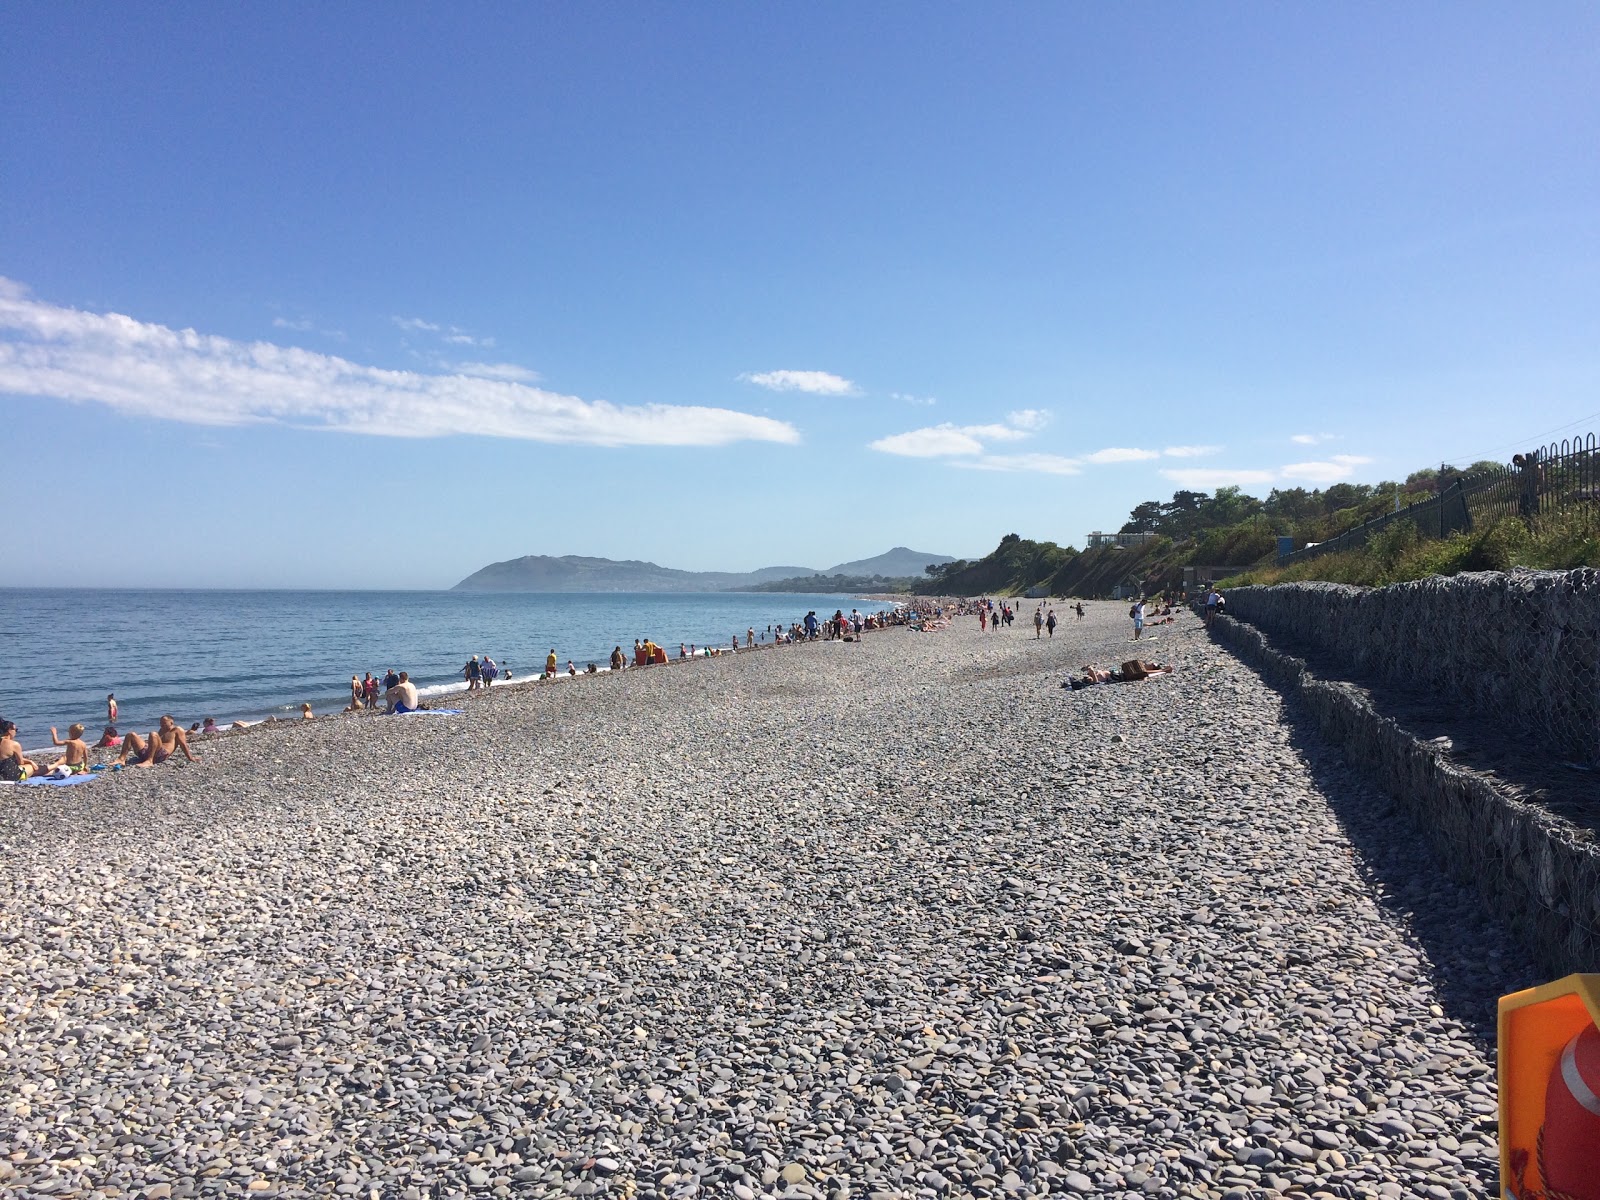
(1550, 1091)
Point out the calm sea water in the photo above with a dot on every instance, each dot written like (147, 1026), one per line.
(248, 655)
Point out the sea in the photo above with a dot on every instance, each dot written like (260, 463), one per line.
(248, 655)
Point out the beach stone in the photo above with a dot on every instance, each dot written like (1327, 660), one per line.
(793, 923)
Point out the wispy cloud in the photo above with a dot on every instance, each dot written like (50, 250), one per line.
(307, 325)
(950, 441)
(511, 371)
(1045, 464)
(1205, 478)
(815, 383)
(1339, 466)
(1120, 454)
(940, 441)
(180, 375)
(907, 398)
(417, 325)
(1031, 419)
(1311, 439)
(1190, 451)
(453, 335)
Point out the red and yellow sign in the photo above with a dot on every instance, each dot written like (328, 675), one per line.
(1550, 1091)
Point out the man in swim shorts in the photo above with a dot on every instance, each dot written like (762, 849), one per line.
(403, 696)
(163, 742)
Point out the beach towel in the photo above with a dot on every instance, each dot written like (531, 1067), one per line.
(52, 781)
(430, 712)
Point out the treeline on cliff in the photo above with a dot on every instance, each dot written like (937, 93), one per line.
(1225, 528)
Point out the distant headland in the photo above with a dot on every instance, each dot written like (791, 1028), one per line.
(577, 573)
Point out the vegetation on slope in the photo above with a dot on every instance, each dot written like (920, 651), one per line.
(1231, 529)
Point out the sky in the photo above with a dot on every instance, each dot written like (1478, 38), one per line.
(374, 295)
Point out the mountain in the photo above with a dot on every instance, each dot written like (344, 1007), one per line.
(893, 564)
(575, 573)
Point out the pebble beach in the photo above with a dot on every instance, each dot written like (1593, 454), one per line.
(893, 918)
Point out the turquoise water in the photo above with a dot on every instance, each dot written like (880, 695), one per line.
(248, 655)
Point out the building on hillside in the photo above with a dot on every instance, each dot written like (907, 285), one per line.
(1123, 540)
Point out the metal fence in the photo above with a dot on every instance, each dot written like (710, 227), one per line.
(1561, 478)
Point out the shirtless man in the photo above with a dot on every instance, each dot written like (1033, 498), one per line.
(158, 747)
(14, 765)
(403, 696)
(76, 759)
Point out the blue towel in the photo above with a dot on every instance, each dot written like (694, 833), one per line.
(50, 781)
(431, 712)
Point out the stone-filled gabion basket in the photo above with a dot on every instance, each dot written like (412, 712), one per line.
(1537, 873)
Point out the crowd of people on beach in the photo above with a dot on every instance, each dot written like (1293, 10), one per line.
(394, 692)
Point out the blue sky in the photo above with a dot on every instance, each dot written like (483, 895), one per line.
(374, 295)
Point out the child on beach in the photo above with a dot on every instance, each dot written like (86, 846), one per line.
(76, 760)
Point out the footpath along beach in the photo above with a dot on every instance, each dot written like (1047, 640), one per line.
(899, 918)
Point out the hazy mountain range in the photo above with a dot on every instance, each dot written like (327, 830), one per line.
(576, 573)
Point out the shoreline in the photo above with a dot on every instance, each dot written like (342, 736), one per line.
(457, 691)
(32, 724)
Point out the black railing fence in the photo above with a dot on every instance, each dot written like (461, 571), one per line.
(1561, 478)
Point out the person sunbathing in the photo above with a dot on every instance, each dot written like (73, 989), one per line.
(110, 739)
(76, 760)
(14, 765)
(164, 741)
(1134, 669)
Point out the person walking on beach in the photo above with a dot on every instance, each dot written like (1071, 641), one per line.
(1137, 613)
(358, 694)
(551, 664)
(369, 690)
(490, 672)
(1079, 608)
(1038, 624)
(472, 673)
(617, 662)
(1050, 622)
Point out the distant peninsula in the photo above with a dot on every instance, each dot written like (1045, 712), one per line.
(577, 573)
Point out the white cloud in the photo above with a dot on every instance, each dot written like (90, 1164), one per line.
(940, 441)
(1206, 478)
(997, 433)
(181, 375)
(815, 383)
(1190, 451)
(417, 325)
(1118, 454)
(907, 398)
(1311, 439)
(511, 371)
(453, 335)
(297, 326)
(1031, 419)
(1047, 464)
(1339, 466)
